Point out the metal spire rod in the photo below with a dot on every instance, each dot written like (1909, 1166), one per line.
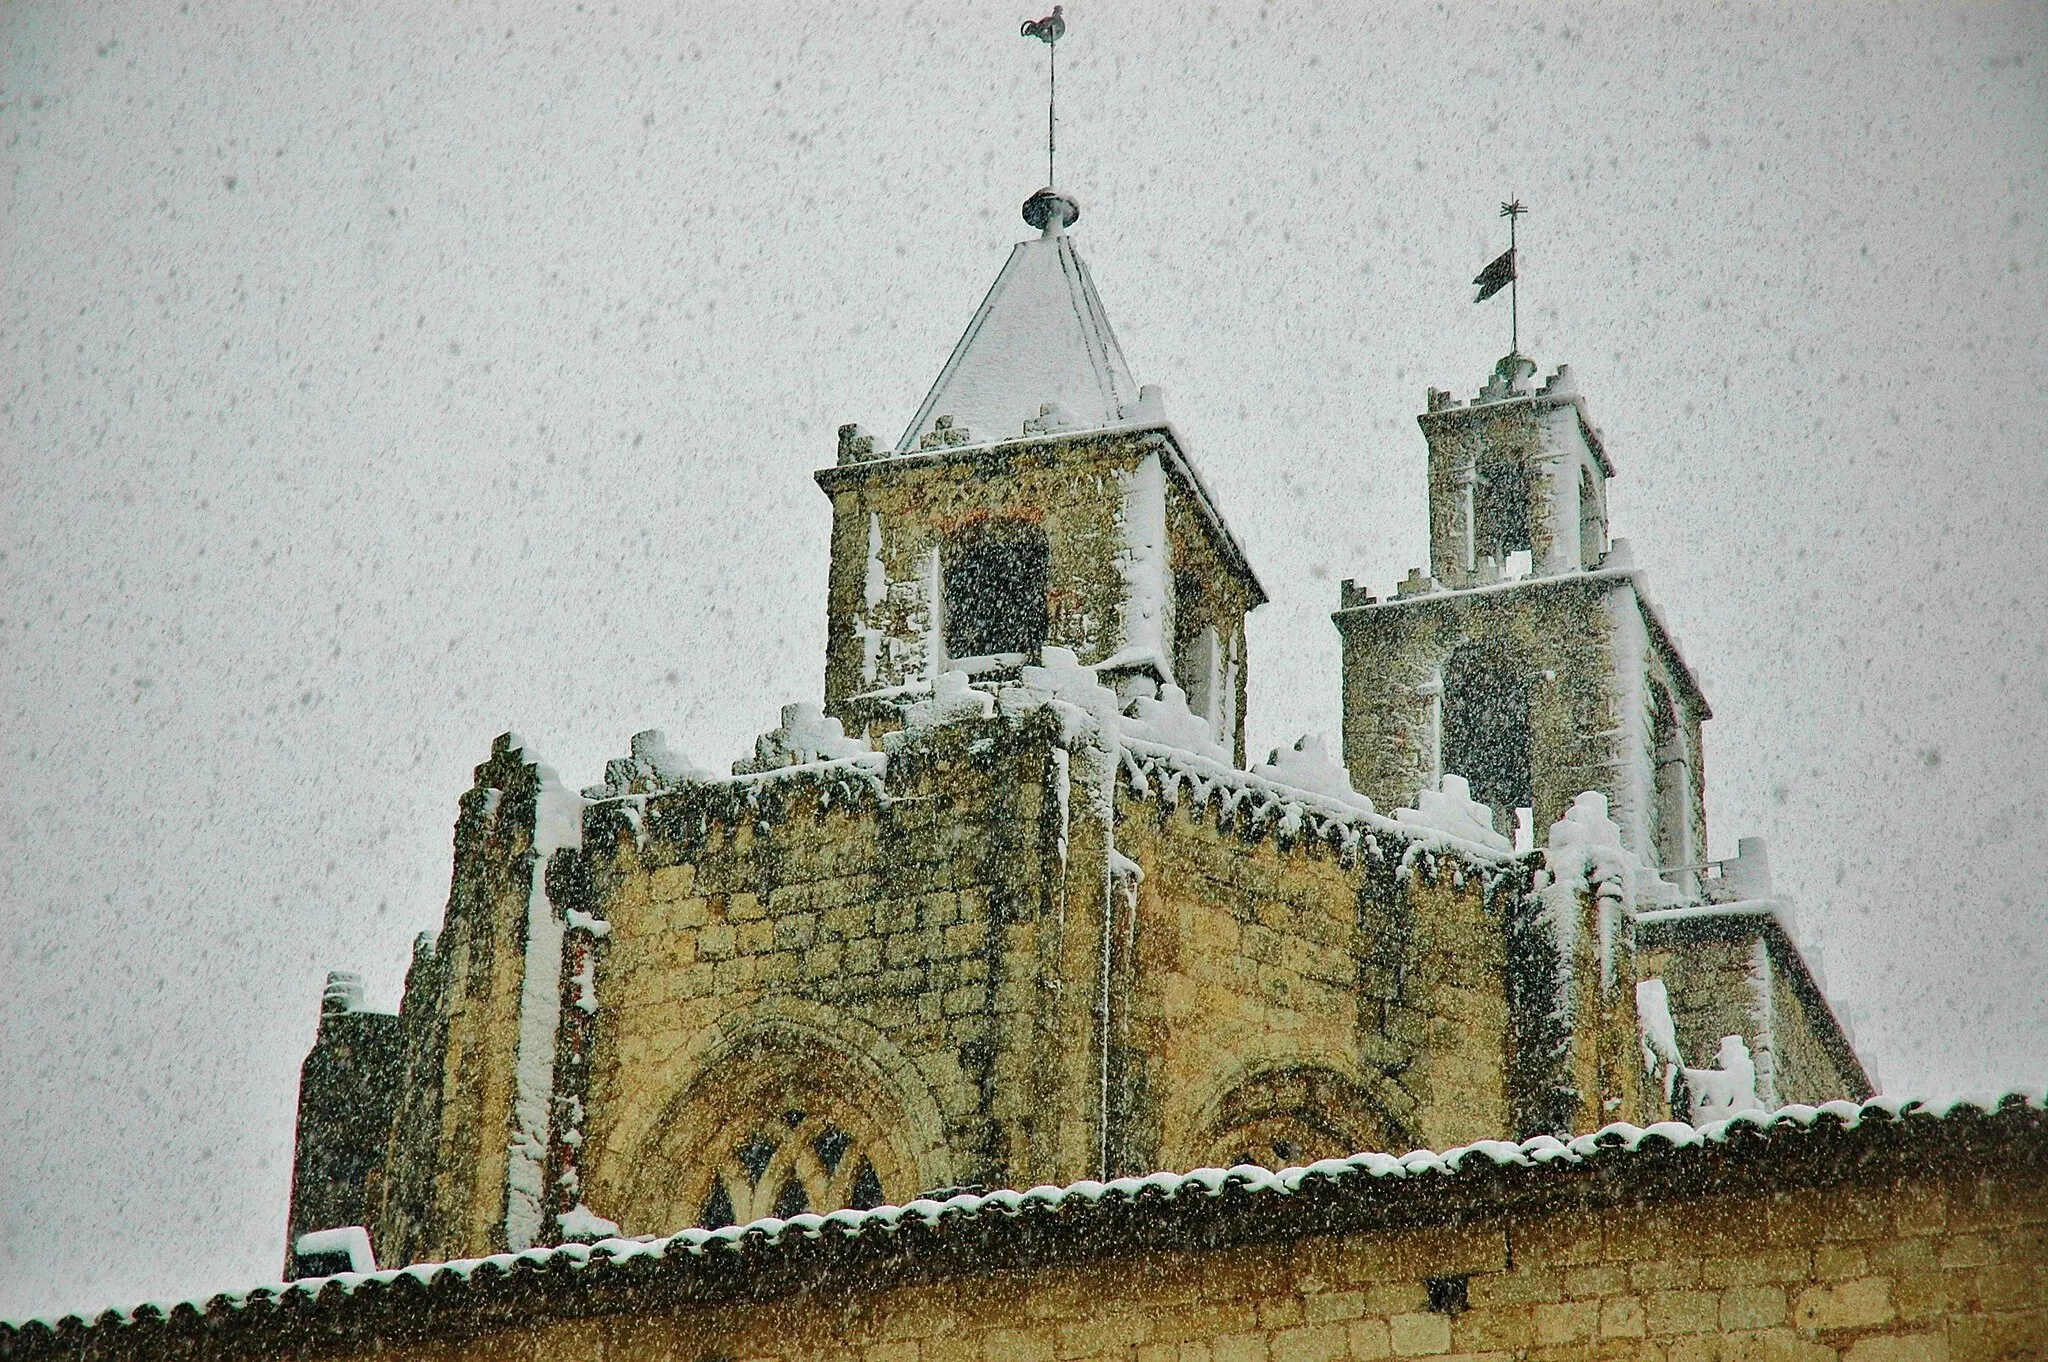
(1049, 31)
(1511, 210)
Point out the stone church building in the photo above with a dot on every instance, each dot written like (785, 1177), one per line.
(1010, 906)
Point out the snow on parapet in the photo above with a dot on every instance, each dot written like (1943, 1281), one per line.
(1157, 1195)
(653, 766)
(1166, 719)
(581, 1225)
(806, 735)
(1452, 809)
(344, 992)
(1308, 766)
(1040, 345)
(952, 699)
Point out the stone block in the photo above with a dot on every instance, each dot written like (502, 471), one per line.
(1420, 1335)
(1310, 1343)
(1566, 1322)
(1969, 1250)
(1752, 1307)
(1324, 1307)
(1520, 1287)
(1844, 1305)
(1623, 1317)
(671, 883)
(1482, 1330)
(1607, 1280)
(1839, 1262)
(1245, 1347)
(1663, 1274)
(1101, 1333)
(1369, 1338)
(1681, 1312)
(1920, 1347)
(1783, 1263)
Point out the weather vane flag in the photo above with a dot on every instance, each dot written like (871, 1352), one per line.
(1502, 274)
(1049, 31)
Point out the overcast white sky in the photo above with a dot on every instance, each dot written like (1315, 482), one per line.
(380, 377)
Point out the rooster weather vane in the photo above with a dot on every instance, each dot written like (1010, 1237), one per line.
(1049, 31)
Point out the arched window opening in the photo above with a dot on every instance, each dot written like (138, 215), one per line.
(1500, 508)
(995, 576)
(785, 1167)
(1485, 706)
(1673, 813)
(1295, 1116)
(1197, 650)
(1592, 521)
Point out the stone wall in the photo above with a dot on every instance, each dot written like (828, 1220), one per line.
(859, 950)
(347, 1087)
(444, 1188)
(1914, 1270)
(1294, 1004)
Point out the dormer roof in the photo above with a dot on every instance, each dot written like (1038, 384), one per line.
(1039, 341)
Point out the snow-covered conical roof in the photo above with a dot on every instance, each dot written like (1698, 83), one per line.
(1040, 339)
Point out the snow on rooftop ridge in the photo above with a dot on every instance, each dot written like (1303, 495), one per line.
(1539, 1151)
(1038, 355)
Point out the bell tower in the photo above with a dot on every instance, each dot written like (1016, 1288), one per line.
(1039, 497)
(1528, 657)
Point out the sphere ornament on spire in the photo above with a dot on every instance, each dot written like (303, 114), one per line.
(1051, 211)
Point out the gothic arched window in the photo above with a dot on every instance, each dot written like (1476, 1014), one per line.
(1295, 1116)
(787, 1165)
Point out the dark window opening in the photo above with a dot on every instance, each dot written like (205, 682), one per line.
(321, 1264)
(1486, 730)
(831, 1147)
(867, 1189)
(792, 1200)
(1500, 509)
(995, 592)
(1448, 1295)
(717, 1207)
(754, 1156)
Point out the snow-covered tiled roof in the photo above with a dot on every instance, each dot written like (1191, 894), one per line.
(1209, 1205)
(1040, 339)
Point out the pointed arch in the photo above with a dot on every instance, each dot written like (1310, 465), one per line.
(785, 1106)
